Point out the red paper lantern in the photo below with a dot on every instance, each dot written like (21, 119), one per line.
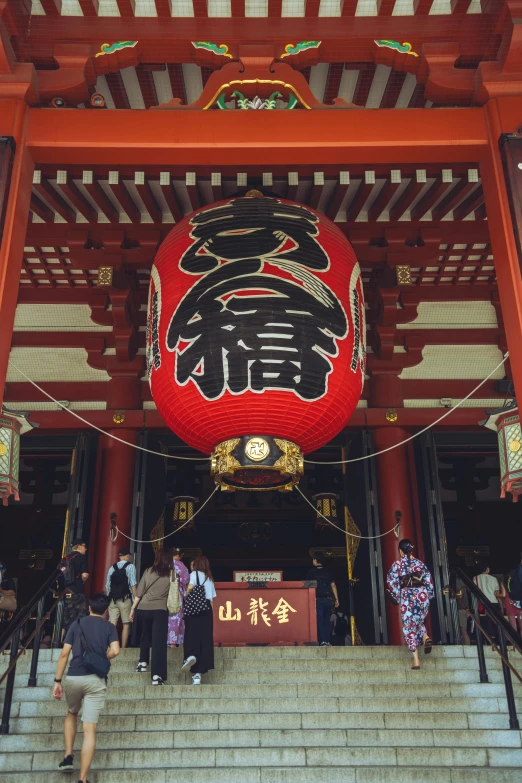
(256, 326)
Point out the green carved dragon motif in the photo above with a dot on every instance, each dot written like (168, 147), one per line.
(106, 48)
(255, 103)
(221, 50)
(404, 48)
(302, 46)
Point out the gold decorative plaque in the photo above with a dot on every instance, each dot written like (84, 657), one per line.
(257, 449)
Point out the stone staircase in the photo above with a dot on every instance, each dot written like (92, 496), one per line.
(282, 715)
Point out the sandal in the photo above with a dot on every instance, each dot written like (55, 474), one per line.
(415, 667)
(428, 645)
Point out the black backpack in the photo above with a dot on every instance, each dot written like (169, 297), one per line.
(119, 583)
(341, 626)
(514, 585)
(67, 571)
(323, 589)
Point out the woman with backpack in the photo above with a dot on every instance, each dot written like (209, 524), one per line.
(410, 586)
(151, 595)
(199, 626)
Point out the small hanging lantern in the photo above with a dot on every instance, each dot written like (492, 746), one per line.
(9, 457)
(326, 505)
(183, 511)
(506, 422)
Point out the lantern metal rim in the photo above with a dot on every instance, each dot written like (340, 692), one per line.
(281, 457)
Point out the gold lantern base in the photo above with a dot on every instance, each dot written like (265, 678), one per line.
(257, 463)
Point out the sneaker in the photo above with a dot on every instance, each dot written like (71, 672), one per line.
(157, 680)
(196, 679)
(324, 644)
(141, 667)
(190, 661)
(66, 765)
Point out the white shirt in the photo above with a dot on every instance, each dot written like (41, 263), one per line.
(210, 590)
(488, 584)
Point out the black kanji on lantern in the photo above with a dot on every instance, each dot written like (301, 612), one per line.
(253, 228)
(241, 327)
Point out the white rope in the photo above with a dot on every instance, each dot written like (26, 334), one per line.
(415, 434)
(155, 540)
(394, 529)
(104, 432)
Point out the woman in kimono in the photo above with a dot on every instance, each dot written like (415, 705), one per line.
(411, 586)
(176, 632)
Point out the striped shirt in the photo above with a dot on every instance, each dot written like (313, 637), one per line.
(131, 575)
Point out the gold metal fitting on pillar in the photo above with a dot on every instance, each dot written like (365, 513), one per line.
(257, 462)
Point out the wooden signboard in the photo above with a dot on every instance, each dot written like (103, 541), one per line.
(258, 576)
(280, 613)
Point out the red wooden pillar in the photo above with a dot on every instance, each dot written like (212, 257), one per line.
(507, 264)
(115, 461)
(13, 117)
(395, 494)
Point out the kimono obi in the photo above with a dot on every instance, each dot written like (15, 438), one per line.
(412, 580)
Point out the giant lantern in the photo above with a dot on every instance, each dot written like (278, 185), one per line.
(256, 336)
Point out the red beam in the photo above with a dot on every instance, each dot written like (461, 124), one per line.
(359, 199)
(459, 192)
(41, 209)
(163, 8)
(348, 7)
(177, 82)
(118, 91)
(412, 418)
(392, 89)
(147, 86)
(77, 199)
(115, 138)
(406, 198)
(451, 336)
(430, 198)
(147, 196)
(90, 7)
(126, 7)
(348, 33)
(52, 8)
(55, 201)
(384, 197)
(275, 8)
(128, 205)
(364, 84)
(312, 8)
(469, 205)
(101, 199)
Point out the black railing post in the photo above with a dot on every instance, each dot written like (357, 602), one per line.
(31, 683)
(510, 696)
(480, 645)
(9, 686)
(58, 623)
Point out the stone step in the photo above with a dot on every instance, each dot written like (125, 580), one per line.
(334, 774)
(437, 677)
(305, 652)
(244, 705)
(401, 662)
(305, 691)
(313, 720)
(273, 738)
(172, 758)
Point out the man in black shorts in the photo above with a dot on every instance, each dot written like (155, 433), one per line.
(75, 576)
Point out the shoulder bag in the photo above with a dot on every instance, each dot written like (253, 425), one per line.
(196, 603)
(174, 597)
(93, 661)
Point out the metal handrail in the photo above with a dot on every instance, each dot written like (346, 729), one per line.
(503, 628)
(12, 636)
